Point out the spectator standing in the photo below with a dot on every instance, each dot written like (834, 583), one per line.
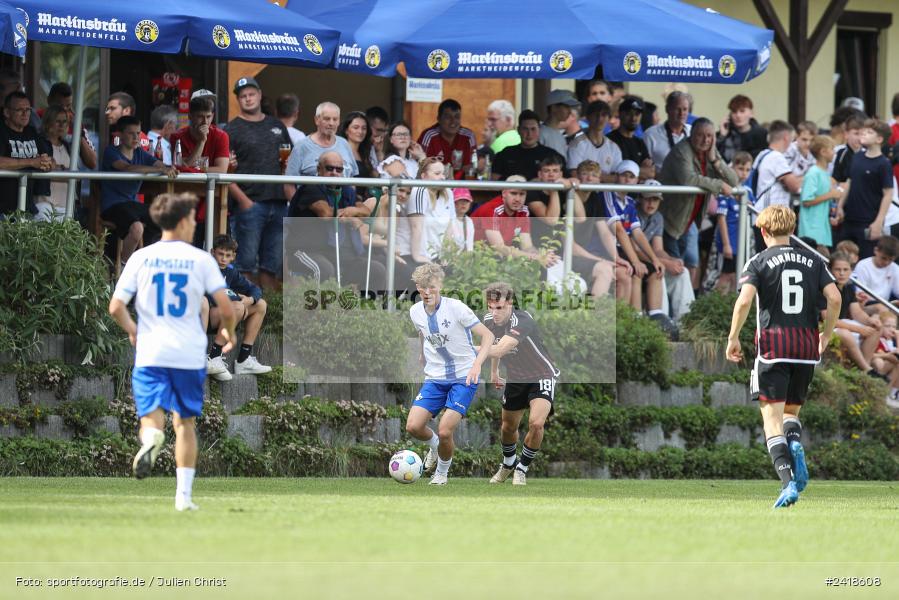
(201, 138)
(633, 148)
(525, 158)
(55, 126)
(356, 132)
(60, 94)
(559, 105)
(775, 180)
(661, 138)
(842, 160)
(21, 149)
(377, 121)
(727, 234)
(256, 140)
(163, 123)
(818, 195)
(597, 89)
(594, 145)
(287, 109)
(448, 140)
(122, 104)
(398, 143)
(799, 153)
(304, 158)
(500, 126)
(740, 130)
(11, 81)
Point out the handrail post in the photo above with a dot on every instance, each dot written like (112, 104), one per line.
(568, 242)
(210, 210)
(743, 229)
(391, 249)
(75, 152)
(23, 192)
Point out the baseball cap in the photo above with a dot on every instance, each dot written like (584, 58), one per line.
(561, 97)
(651, 193)
(854, 102)
(244, 82)
(628, 166)
(202, 93)
(461, 194)
(631, 103)
(516, 179)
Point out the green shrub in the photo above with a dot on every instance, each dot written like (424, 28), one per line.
(855, 461)
(54, 281)
(708, 324)
(643, 353)
(473, 271)
(79, 415)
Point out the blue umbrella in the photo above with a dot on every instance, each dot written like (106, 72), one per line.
(636, 40)
(13, 32)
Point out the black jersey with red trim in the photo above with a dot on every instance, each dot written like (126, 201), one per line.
(788, 283)
(528, 361)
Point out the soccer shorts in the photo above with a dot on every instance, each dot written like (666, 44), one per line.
(436, 395)
(518, 396)
(173, 390)
(781, 382)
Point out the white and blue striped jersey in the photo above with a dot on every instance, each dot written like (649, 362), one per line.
(448, 347)
(168, 281)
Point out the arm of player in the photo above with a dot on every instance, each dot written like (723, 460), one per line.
(226, 313)
(834, 301)
(118, 310)
(734, 352)
(498, 381)
(505, 345)
(474, 375)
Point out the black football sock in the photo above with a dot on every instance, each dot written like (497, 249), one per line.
(527, 455)
(216, 351)
(245, 351)
(780, 456)
(792, 429)
(509, 455)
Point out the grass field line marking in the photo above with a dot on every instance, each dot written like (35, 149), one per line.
(461, 563)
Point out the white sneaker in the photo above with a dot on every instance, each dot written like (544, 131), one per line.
(892, 399)
(519, 478)
(430, 460)
(503, 474)
(182, 504)
(251, 366)
(438, 479)
(217, 369)
(146, 456)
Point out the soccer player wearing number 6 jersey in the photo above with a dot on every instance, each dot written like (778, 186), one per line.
(168, 280)
(786, 283)
(531, 379)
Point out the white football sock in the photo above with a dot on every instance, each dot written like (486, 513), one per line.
(434, 441)
(443, 466)
(147, 435)
(185, 478)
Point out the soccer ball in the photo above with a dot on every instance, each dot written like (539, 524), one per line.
(405, 466)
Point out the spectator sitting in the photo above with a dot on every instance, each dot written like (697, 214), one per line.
(430, 212)
(374, 231)
(163, 123)
(398, 142)
(246, 298)
(545, 207)
(857, 331)
(633, 148)
(559, 105)
(850, 249)
(799, 153)
(525, 158)
(661, 138)
(463, 227)
(880, 273)
(304, 158)
(119, 203)
(594, 145)
(740, 131)
(886, 360)
(201, 138)
(818, 195)
(287, 109)
(653, 225)
(500, 126)
(447, 139)
(727, 236)
(122, 104)
(864, 208)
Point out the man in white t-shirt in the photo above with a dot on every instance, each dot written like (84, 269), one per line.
(774, 177)
(167, 281)
(452, 366)
(880, 273)
(594, 145)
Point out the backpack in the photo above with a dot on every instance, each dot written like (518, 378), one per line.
(752, 182)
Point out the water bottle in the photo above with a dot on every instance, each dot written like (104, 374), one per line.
(158, 151)
(178, 160)
(488, 168)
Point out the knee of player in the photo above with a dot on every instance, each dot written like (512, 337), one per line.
(445, 433)
(184, 425)
(536, 425)
(414, 428)
(508, 428)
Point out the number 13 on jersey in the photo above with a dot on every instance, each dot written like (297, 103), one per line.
(177, 281)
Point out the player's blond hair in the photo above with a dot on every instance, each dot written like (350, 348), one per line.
(427, 273)
(777, 221)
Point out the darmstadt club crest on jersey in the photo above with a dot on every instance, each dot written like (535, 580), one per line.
(438, 61)
(727, 66)
(560, 61)
(220, 37)
(312, 44)
(373, 57)
(146, 31)
(632, 63)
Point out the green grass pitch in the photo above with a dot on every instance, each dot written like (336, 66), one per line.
(374, 538)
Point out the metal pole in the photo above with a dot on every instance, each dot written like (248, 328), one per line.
(743, 228)
(368, 262)
(210, 211)
(568, 243)
(75, 152)
(391, 249)
(23, 192)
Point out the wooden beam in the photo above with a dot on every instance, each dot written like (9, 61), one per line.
(798, 84)
(784, 44)
(829, 19)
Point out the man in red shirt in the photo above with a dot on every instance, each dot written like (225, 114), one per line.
(201, 138)
(448, 140)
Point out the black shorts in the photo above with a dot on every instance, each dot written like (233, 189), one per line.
(518, 396)
(727, 265)
(650, 268)
(123, 214)
(781, 382)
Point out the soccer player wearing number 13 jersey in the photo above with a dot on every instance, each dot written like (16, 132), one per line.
(786, 283)
(168, 280)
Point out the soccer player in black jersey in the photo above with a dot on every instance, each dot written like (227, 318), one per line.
(786, 283)
(531, 380)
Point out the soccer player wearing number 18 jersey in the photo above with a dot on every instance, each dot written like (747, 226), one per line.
(167, 281)
(786, 283)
